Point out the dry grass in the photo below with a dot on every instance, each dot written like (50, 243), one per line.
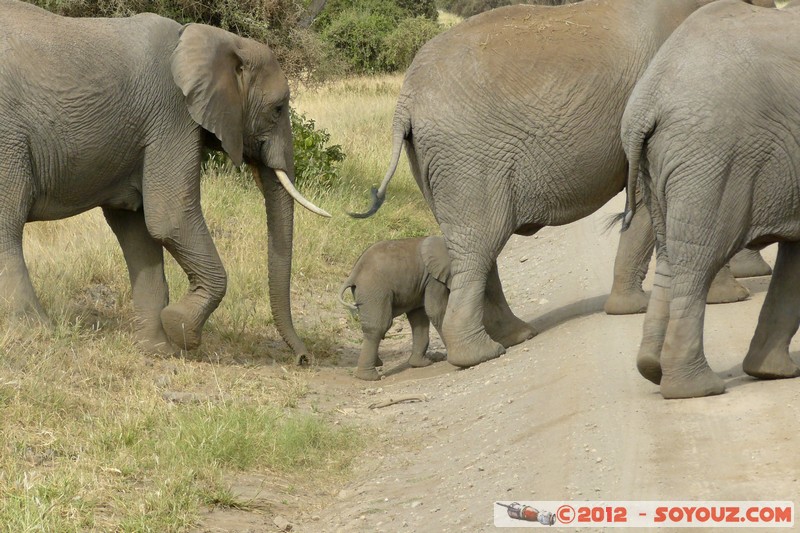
(89, 442)
(448, 20)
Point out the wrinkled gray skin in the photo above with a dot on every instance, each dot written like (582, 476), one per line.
(510, 121)
(411, 276)
(633, 259)
(712, 132)
(114, 113)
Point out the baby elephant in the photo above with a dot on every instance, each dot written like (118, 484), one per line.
(412, 276)
(389, 279)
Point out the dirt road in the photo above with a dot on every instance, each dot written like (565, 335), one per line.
(564, 415)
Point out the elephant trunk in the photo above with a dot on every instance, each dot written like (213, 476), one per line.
(280, 231)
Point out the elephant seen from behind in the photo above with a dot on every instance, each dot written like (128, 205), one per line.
(712, 133)
(115, 113)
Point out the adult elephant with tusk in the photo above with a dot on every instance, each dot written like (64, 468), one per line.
(114, 113)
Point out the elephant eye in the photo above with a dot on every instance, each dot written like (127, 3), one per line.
(277, 111)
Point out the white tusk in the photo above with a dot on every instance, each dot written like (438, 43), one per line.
(287, 184)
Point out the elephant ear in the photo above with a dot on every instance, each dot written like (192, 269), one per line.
(434, 255)
(207, 68)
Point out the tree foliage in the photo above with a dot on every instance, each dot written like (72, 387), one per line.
(275, 22)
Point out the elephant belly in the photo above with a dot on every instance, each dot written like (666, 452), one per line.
(71, 198)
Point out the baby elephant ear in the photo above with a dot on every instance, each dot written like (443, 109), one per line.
(208, 69)
(434, 255)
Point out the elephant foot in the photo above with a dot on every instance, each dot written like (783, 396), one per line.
(703, 382)
(150, 337)
(466, 353)
(748, 264)
(180, 327)
(519, 333)
(156, 345)
(774, 365)
(419, 361)
(31, 318)
(630, 302)
(725, 289)
(649, 367)
(367, 374)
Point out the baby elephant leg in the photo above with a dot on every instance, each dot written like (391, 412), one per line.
(376, 319)
(420, 326)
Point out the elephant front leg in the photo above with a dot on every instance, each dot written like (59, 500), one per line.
(768, 356)
(420, 335)
(16, 291)
(630, 266)
(171, 192)
(145, 259)
(500, 322)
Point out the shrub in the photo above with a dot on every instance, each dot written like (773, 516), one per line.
(368, 34)
(274, 22)
(358, 36)
(420, 8)
(394, 9)
(402, 44)
(315, 162)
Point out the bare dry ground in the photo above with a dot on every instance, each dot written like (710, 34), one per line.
(562, 416)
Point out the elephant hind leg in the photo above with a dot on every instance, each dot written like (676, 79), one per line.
(684, 367)
(648, 360)
(501, 323)
(145, 259)
(725, 289)
(420, 329)
(748, 264)
(630, 266)
(375, 313)
(768, 356)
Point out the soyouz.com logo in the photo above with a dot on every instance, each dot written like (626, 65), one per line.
(672, 514)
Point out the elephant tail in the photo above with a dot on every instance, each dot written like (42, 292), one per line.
(402, 127)
(635, 134)
(346, 285)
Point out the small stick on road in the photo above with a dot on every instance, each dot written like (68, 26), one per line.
(401, 399)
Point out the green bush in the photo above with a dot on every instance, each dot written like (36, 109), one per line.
(402, 44)
(420, 8)
(316, 164)
(394, 9)
(358, 36)
(368, 34)
(274, 22)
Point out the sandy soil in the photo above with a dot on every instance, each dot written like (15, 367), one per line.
(564, 416)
